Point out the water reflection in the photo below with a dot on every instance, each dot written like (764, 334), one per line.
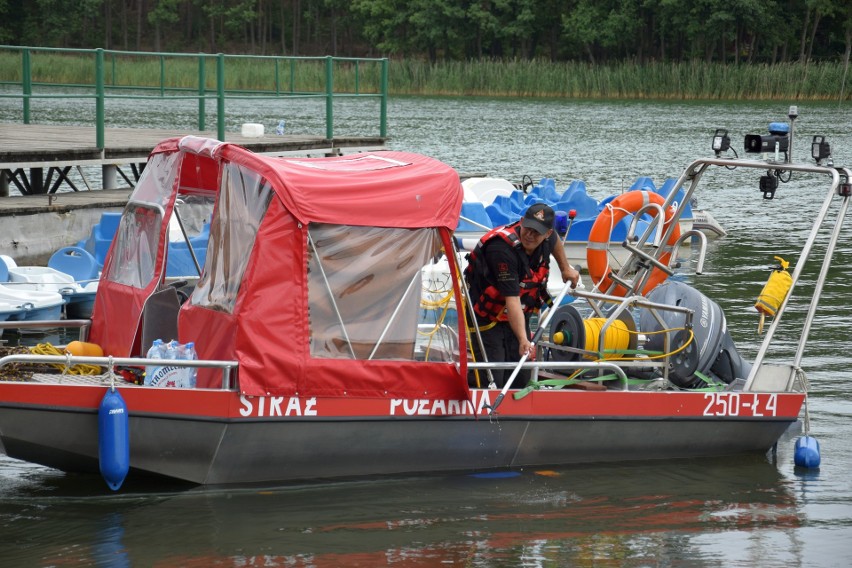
(743, 511)
(632, 513)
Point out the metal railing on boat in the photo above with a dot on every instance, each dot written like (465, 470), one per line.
(108, 362)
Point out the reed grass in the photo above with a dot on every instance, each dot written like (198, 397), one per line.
(515, 78)
(675, 80)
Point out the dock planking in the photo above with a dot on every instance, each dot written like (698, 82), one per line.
(39, 145)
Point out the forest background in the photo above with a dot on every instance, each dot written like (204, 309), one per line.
(807, 42)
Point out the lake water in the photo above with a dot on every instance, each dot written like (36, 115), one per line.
(747, 511)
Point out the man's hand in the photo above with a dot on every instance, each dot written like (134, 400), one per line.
(569, 273)
(526, 348)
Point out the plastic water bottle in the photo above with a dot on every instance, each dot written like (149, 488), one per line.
(191, 355)
(180, 351)
(157, 351)
(279, 130)
(166, 375)
(170, 351)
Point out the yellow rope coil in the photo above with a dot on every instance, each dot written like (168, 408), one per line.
(618, 342)
(578, 372)
(49, 349)
(617, 336)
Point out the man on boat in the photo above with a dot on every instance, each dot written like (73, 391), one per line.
(507, 276)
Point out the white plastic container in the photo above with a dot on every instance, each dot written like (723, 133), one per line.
(252, 130)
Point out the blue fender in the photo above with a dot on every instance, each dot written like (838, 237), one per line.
(807, 452)
(113, 439)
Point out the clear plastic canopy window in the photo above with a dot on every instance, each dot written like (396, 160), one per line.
(243, 200)
(138, 235)
(364, 289)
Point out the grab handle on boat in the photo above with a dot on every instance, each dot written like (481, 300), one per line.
(541, 327)
(702, 247)
(660, 228)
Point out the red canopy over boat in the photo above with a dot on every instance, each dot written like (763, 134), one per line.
(312, 278)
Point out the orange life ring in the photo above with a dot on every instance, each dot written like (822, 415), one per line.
(599, 238)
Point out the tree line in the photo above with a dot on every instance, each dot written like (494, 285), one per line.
(596, 31)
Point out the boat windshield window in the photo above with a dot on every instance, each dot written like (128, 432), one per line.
(158, 180)
(243, 200)
(138, 234)
(364, 289)
(136, 245)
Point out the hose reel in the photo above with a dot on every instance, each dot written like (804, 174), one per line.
(578, 337)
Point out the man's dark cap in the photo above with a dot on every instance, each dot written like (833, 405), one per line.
(539, 217)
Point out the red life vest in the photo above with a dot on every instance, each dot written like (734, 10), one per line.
(488, 302)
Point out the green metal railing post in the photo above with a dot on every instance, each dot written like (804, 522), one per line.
(220, 96)
(357, 79)
(329, 98)
(162, 76)
(99, 98)
(27, 82)
(202, 91)
(383, 110)
(292, 76)
(277, 79)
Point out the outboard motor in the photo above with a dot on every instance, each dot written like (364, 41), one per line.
(712, 353)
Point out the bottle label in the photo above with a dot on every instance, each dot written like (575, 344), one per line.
(168, 376)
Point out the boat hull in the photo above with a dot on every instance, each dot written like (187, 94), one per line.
(220, 437)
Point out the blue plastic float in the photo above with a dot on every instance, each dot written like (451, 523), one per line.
(505, 209)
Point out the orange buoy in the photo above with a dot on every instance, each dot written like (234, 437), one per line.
(599, 238)
(84, 349)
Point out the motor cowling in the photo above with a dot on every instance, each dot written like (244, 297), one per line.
(711, 353)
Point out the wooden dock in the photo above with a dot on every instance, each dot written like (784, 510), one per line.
(28, 150)
(55, 210)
